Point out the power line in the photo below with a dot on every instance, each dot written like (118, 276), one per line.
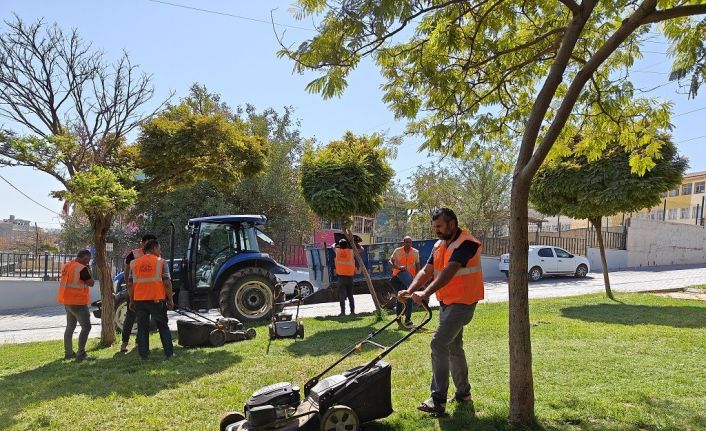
(689, 112)
(23, 194)
(246, 18)
(690, 139)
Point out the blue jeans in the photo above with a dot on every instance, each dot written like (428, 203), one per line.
(158, 312)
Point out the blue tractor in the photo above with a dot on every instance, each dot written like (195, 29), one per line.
(222, 268)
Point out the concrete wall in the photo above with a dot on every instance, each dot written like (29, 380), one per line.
(20, 294)
(490, 268)
(652, 242)
(616, 259)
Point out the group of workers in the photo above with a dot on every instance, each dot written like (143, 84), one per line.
(454, 274)
(150, 295)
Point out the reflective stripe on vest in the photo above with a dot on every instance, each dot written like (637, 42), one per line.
(466, 286)
(147, 278)
(345, 262)
(72, 290)
(409, 260)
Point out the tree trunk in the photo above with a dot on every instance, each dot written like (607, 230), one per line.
(521, 384)
(101, 225)
(606, 281)
(368, 281)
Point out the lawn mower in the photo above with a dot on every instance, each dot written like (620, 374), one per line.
(283, 325)
(338, 402)
(201, 331)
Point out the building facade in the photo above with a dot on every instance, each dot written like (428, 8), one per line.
(683, 204)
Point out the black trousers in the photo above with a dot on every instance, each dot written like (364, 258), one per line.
(130, 318)
(345, 290)
(158, 312)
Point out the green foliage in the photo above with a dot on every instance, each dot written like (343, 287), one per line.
(273, 192)
(98, 191)
(346, 177)
(184, 146)
(582, 188)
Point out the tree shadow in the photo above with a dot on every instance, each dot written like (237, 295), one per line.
(122, 375)
(681, 316)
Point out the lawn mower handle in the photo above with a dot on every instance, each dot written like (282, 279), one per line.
(314, 380)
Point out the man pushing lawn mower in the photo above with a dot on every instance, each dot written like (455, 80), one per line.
(456, 275)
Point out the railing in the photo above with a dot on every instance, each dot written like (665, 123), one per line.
(40, 266)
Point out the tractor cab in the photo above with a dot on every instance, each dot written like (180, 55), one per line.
(213, 241)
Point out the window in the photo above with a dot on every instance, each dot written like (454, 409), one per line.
(695, 212)
(686, 189)
(562, 253)
(545, 252)
(664, 194)
(685, 213)
(368, 225)
(672, 214)
(674, 192)
(699, 187)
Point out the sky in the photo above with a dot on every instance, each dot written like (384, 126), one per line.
(233, 52)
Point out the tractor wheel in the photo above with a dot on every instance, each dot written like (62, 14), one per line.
(248, 294)
(340, 417)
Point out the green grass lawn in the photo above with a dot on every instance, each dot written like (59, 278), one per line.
(635, 365)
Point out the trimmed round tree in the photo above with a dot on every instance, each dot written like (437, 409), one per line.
(347, 177)
(582, 188)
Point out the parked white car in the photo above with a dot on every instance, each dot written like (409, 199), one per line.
(549, 260)
(294, 279)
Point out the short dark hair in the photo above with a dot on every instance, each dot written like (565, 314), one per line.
(83, 253)
(447, 213)
(150, 245)
(148, 236)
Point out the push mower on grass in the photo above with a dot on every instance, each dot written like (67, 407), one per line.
(338, 402)
(201, 331)
(283, 325)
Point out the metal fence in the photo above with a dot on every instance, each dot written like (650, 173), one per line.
(40, 266)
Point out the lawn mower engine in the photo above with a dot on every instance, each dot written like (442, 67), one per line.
(273, 405)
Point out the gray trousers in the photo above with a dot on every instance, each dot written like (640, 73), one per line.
(74, 314)
(447, 351)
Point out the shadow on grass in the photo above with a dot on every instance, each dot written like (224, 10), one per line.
(125, 375)
(341, 340)
(681, 316)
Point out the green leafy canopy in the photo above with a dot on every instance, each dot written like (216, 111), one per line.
(346, 177)
(582, 188)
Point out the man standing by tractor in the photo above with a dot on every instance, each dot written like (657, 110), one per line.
(75, 294)
(151, 294)
(405, 258)
(130, 314)
(345, 270)
(456, 275)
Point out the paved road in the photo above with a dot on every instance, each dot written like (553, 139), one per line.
(48, 323)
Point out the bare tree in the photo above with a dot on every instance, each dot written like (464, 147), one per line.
(71, 111)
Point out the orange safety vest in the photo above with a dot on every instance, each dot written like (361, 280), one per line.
(466, 287)
(147, 278)
(345, 263)
(73, 290)
(409, 260)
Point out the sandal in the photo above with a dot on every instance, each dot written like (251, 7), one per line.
(433, 407)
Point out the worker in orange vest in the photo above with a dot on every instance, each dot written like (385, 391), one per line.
(456, 275)
(150, 290)
(345, 270)
(405, 258)
(74, 293)
(130, 314)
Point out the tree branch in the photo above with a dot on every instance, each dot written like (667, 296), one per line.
(572, 5)
(675, 12)
(582, 76)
